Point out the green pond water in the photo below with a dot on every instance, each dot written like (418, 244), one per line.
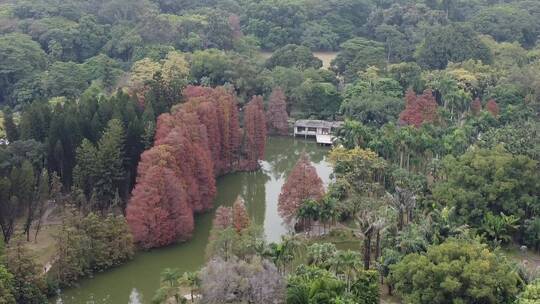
(137, 280)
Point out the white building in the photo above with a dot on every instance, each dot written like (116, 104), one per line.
(322, 130)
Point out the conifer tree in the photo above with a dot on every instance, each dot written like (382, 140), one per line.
(223, 218)
(254, 133)
(85, 172)
(9, 206)
(302, 184)
(492, 107)
(476, 106)
(42, 197)
(110, 163)
(158, 213)
(198, 141)
(240, 216)
(12, 133)
(28, 284)
(276, 114)
(24, 186)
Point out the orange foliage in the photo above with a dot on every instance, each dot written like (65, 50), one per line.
(276, 115)
(492, 107)
(197, 141)
(240, 215)
(254, 133)
(302, 184)
(419, 109)
(476, 106)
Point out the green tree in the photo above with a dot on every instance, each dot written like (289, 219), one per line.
(9, 206)
(531, 294)
(192, 282)
(211, 67)
(358, 54)
(313, 285)
(12, 132)
(6, 286)
(318, 99)
(507, 23)
(21, 57)
(482, 181)
(346, 263)
(499, 228)
(85, 172)
(292, 55)
(460, 270)
(110, 163)
(28, 284)
(170, 287)
(24, 183)
(372, 108)
(398, 48)
(451, 43)
(66, 79)
(42, 197)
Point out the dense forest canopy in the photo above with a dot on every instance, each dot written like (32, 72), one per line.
(117, 117)
(58, 48)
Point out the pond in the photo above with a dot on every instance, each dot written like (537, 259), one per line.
(137, 280)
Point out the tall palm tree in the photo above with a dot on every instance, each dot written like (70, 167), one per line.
(170, 276)
(352, 134)
(284, 253)
(365, 221)
(346, 263)
(380, 224)
(191, 281)
(404, 202)
(170, 286)
(327, 211)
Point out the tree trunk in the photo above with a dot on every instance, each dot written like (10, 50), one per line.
(400, 220)
(38, 228)
(367, 250)
(378, 244)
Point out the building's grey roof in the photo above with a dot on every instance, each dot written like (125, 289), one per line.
(309, 123)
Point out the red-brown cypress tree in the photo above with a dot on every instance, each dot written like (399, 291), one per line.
(419, 109)
(158, 213)
(276, 115)
(223, 218)
(208, 116)
(492, 107)
(302, 184)
(198, 141)
(230, 130)
(254, 133)
(240, 216)
(476, 106)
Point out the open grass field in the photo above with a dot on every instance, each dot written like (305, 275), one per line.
(326, 57)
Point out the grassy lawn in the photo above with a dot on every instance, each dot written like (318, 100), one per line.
(43, 249)
(528, 258)
(326, 57)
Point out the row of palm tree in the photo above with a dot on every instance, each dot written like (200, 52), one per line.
(323, 212)
(409, 147)
(173, 283)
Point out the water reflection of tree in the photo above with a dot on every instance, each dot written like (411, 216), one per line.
(283, 152)
(254, 194)
(230, 186)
